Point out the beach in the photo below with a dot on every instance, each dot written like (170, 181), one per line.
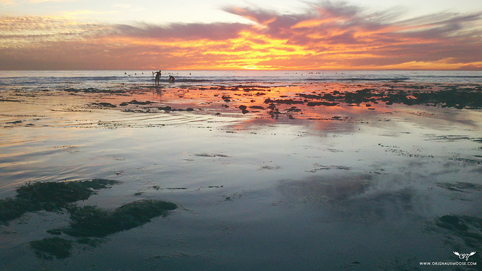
(241, 174)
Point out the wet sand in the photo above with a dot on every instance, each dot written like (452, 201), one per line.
(330, 176)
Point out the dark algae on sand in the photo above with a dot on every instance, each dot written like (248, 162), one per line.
(91, 221)
(49, 247)
(88, 224)
(449, 96)
(49, 196)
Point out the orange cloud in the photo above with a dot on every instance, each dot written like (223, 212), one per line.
(327, 36)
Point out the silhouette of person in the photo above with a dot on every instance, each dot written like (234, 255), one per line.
(158, 77)
(171, 79)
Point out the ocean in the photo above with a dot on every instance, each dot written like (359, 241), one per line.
(29, 80)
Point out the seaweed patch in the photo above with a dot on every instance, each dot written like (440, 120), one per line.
(49, 247)
(48, 196)
(460, 231)
(108, 105)
(90, 224)
(91, 221)
(87, 224)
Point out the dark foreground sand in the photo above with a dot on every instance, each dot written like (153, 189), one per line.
(242, 177)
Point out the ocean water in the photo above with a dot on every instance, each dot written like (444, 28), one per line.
(105, 79)
(298, 170)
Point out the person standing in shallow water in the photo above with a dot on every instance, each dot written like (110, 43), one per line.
(171, 79)
(158, 78)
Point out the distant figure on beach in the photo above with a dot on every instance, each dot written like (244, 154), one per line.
(158, 77)
(171, 79)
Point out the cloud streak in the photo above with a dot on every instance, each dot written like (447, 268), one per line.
(326, 35)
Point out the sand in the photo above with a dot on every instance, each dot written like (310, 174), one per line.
(329, 176)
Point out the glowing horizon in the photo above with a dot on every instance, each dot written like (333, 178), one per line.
(325, 36)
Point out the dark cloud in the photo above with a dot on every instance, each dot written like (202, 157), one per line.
(346, 38)
(194, 31)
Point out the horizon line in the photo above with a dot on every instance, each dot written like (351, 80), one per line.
(253, 70)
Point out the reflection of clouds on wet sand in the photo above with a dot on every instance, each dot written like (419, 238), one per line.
(352, 196)
(416, 198)
(459, 230)
(325, 189)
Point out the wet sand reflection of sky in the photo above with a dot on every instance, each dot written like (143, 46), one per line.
(393, 170)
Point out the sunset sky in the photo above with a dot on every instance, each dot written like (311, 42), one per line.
(217, 34)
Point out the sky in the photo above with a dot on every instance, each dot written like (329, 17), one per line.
(231, 35)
